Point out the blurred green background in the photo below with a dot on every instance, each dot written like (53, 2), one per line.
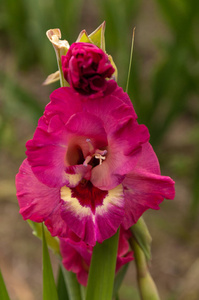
(164, 88)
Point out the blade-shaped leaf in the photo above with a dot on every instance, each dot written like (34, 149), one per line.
(3, 290)
(72, 285)
(49, 286)
(102, 270)
(51, 241)
(130, 61)
(61, 286)
(118, 279)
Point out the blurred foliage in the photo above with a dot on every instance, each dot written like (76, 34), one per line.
(166, 96)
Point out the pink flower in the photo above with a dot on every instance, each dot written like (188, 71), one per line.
(86, 67)
(76, 255)
(90, 167)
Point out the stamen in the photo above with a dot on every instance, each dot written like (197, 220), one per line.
(87, 160)
(100, 154)
(90, 145)
(100, 157)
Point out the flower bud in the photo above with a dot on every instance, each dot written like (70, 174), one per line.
(86, 68)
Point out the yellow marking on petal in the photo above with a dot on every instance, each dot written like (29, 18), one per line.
(114, 197)
(75, 206)
(73, 179)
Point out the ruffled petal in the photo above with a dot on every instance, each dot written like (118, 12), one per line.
(48, 152)
(36, 200)
(123, 152)
(76, 256)
(144, 188)
(55, 224)
(90, 128)
(93, 220)
(64, 102)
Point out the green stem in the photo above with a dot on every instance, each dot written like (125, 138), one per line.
(63, 82)
(102, 270)
(147, 287)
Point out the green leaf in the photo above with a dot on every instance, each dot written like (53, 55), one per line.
(83, 292)
(3, 290)
(61, 286)
(102, 270)
(143, 237)
(49, 286)
(130, 61)
(72, 285)
(119, 278)
(52, 242)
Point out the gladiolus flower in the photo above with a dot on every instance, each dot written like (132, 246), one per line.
(76, 255)
(86, 68)
(90, 167)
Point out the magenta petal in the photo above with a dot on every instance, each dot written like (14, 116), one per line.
(144, 189)
(89, 126)
(122, 260)
(123, 245)
(125, 146)
(36, 200)
(46, 154)
(124, 255)
(89, 225)
(76, 257)
(55, 224)
(64, 102)
(120, 94)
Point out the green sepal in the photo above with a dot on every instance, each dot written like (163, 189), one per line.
(146, 284)
(115, 74)
(143, 237)
(49, 286)
(83, 37)
(3, 291)
(98, 37)
(52, 242)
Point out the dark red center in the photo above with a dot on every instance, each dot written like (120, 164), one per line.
(88, 195)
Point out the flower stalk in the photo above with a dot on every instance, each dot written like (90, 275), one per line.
(147, 287)
(143, 237)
